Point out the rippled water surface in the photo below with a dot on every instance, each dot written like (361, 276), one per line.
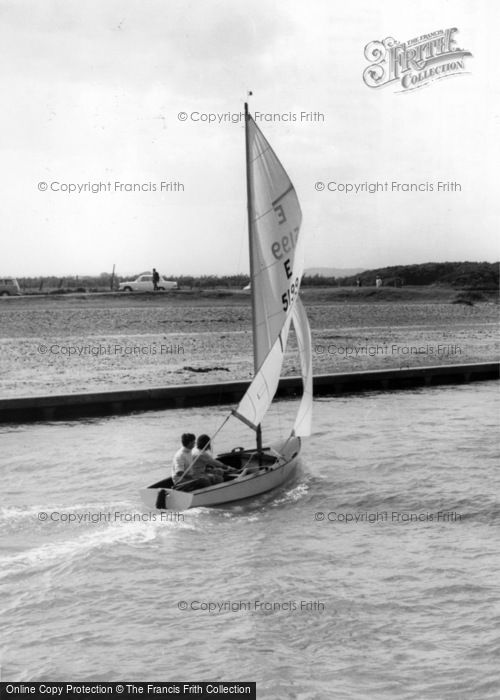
(403, 603)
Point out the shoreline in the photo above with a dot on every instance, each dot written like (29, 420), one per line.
(63, 407)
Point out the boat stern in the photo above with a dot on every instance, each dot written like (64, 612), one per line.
(166, 499)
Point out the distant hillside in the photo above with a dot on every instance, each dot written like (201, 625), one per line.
(333, 271)
(473, 275)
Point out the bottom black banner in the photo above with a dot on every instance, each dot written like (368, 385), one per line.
(181, 691)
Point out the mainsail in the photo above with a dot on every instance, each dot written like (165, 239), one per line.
(276, 258)
(276, 272)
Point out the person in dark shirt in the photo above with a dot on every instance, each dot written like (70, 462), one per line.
(156, 279)
(205, 464)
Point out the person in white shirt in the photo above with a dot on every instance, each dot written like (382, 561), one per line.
(183, 458)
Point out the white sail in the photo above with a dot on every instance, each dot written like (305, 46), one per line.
(276, 272)
(257, 399)
(259, 395)
(276, 259)
(303, 421)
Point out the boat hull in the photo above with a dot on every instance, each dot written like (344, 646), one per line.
(241, 488)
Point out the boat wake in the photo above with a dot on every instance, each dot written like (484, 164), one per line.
(75, 533)
(291, 493)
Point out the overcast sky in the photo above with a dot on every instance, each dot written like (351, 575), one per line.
(92, 92)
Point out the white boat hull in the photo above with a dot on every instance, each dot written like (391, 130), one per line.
(240, 488)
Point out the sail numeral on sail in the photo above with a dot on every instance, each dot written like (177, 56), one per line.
(281, 213)
(289, 296)
(286, 244)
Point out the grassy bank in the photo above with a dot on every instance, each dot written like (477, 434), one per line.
(310, 295)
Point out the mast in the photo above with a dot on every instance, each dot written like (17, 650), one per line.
(252, 262)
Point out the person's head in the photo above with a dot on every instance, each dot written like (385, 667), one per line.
(188, 440)
(203, 442)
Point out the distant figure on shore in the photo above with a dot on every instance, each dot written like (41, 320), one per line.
(156, 279)
(378, 282)
(183, 458)
(358, 282)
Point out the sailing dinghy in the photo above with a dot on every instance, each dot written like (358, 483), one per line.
(276, 269)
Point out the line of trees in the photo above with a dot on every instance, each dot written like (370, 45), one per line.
(106, 282)
(474, 275)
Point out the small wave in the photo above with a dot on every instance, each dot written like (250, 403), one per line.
(20, 513)
(482, 507)
(293, 495)
(66, 550)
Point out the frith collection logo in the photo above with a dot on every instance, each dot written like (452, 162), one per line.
(415, 63)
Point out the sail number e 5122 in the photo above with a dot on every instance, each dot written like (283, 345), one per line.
(289, 296)
(282, 248)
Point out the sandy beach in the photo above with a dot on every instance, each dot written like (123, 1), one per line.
(58, 344)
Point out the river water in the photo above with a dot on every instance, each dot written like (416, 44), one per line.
(375, 573)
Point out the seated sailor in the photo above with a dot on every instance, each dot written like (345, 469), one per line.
(183, 458)
(206, 464)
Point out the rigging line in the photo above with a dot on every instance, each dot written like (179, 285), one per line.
(278, 454)
(261, 216)
(282, 195)
(219, 429)
(288, 440)
(277, 313)
(267, 267)
(268, 146)
(259, 155)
